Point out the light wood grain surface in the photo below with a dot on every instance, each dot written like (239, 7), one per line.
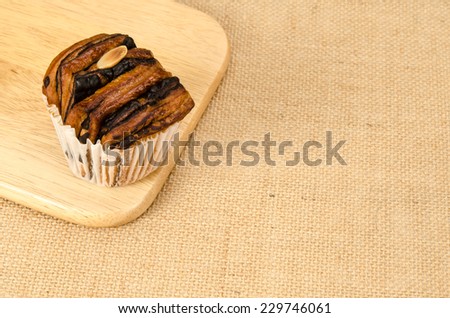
(33, 170)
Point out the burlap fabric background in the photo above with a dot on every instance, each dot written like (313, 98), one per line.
(375, 74)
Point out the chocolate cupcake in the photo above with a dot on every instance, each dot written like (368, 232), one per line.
(114, 108)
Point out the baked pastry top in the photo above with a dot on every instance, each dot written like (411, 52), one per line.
(109, 90)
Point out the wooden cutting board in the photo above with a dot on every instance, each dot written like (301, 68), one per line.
(33, 169)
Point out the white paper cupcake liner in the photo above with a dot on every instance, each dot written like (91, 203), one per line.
(111, 167)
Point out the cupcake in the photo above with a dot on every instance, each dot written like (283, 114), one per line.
(114, 107)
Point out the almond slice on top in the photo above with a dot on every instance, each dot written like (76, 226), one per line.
(112, 57)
